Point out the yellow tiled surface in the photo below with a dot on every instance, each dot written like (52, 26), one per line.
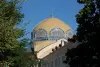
(51, 23)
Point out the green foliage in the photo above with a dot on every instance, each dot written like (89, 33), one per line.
(87, 54)
(84, 1)
(11, 48)
(9, 18)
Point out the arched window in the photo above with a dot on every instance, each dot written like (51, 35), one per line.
(56, 33)
(40, 34)
(69, 34)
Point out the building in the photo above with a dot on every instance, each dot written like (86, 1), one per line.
(50, 38)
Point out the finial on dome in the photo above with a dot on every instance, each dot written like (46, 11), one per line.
(52, 14)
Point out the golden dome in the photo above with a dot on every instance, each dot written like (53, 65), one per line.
(51, 23)
(47, 25)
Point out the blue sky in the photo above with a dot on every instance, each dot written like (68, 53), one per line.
(38, 10)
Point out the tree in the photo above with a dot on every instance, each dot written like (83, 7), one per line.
(87, 53)
(11, 47)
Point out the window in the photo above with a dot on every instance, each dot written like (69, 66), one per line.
(40, 34)
(56, 33)
(69, 34)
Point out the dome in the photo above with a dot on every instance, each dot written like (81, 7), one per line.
(49, 31)
(51, 23)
